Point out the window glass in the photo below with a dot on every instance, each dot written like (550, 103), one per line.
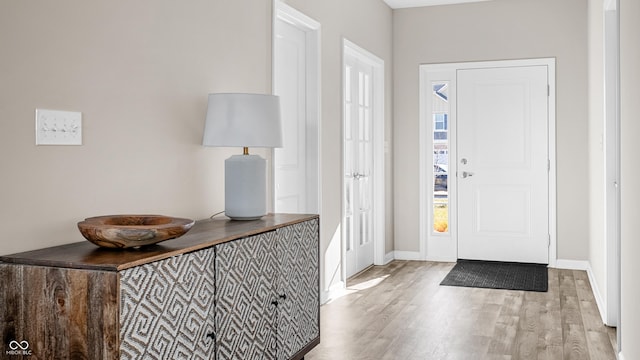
(440, 157)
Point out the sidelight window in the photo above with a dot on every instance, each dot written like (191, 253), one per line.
(440, 149)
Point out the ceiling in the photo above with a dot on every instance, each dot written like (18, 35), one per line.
(399, 4)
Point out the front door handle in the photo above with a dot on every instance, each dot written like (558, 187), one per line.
(466, 174)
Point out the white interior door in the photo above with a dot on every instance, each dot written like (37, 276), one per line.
(296, 166)
(358, 165)
(289, 161)
(503, 164)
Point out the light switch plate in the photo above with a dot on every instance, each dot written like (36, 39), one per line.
(55, 127)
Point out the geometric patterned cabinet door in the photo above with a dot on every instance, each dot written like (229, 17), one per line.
(165, 308)
(245, 312)
(298, 313)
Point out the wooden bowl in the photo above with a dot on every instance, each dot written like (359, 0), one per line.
(126, 231)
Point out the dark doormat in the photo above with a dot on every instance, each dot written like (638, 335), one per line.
(498, 275)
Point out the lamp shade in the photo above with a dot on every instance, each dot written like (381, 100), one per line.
(243, 120)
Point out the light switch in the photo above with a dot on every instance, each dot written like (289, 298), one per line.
(54, 127)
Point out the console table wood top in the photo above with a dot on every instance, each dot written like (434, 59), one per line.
(203, 234)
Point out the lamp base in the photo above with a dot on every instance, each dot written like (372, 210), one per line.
(245, 187)
(235, 218)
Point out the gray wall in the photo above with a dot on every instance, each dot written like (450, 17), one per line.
(496, 30)
(140, 73)
(630, 177)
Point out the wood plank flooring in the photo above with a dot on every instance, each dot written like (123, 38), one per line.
(399, 311)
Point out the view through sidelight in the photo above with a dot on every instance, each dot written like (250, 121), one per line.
(440, 117)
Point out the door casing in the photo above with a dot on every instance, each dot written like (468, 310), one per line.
(443, 247)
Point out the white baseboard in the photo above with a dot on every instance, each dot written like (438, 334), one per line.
(389, 257)
(572, 264)
(586, 266)
(407, 255)
(441, 259)
(620, 356)
(335, 291)
(414, 256)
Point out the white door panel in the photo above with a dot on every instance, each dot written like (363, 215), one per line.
(503, 210)
(358, 143)
(290, 86)
(288, 190)
(503, 202)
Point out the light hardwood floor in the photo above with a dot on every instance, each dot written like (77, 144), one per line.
(399, 311)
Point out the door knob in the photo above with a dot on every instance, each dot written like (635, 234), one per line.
(466, 174)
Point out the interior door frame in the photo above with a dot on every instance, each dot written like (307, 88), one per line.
(436, 247)
(378, 201)
(285, 13)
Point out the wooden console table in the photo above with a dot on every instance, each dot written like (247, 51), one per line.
(225, 290)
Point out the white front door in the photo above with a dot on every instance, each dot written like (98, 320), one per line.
(358, 164)
(503, 164)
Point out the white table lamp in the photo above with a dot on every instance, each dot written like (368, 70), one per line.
(244, 120)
